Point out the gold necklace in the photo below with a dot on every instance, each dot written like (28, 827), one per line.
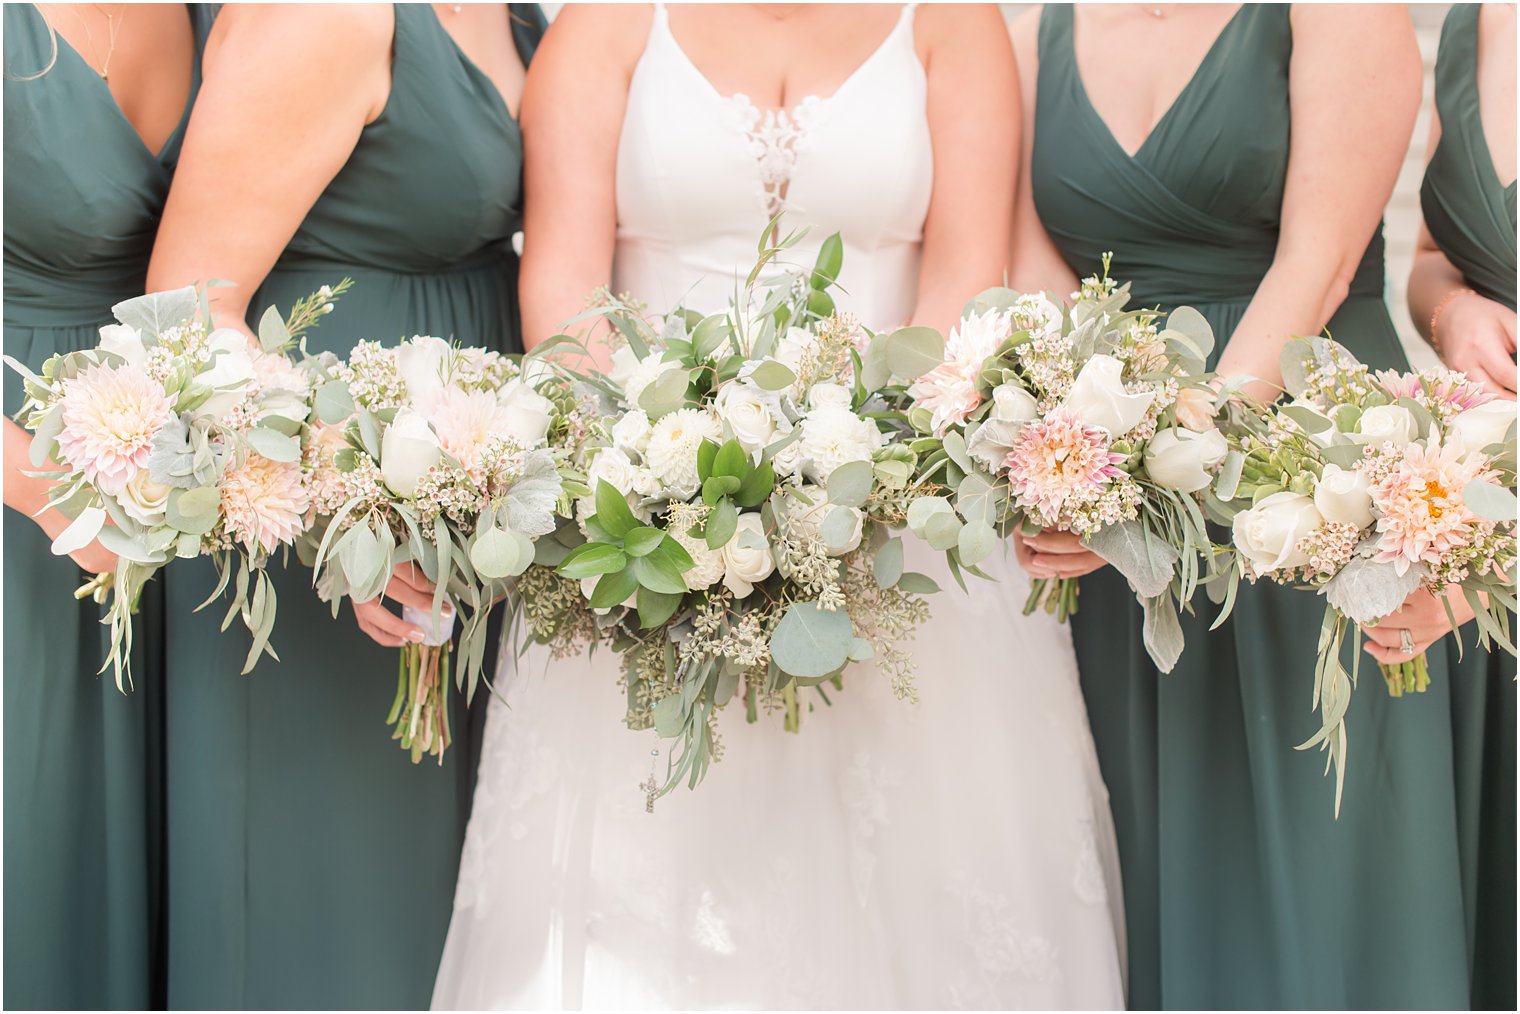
(113, 32)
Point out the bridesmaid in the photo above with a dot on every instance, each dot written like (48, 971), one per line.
(1245, 175)
(1462, 297)
(314, 863)
(95, 105)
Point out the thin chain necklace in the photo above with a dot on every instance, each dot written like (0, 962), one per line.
(114, 24)
(1155, 12)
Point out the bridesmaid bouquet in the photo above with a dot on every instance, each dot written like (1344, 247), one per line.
(1365, 488)
(445, 457)
(173, 439)
(1090, 419)
(734, 536)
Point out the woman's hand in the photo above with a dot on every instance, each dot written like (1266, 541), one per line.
(1423, 617)
(409, 587)
(28, 495)
(1055, 555)
(1477, 337)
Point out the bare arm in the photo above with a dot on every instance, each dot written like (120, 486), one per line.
(1355, 78)
(287, 91)
(974, 129)
(29, 495)
(573, 106)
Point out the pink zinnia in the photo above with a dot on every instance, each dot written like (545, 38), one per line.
(263, 502)
(1422, 512)
(110, 417)
(1057, 458)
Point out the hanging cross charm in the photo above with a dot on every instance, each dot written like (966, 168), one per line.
(651, 787)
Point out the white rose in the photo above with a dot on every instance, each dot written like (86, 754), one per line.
(833, 436)
(528, 413)
(1268, 534)
(1195, 408)
(673, 443)
(624, 362)
(612, 466)
(829, 396)
(792, 346)
(808, 518)
(144, 500)
(1097, 398)
(787, 461)
(124, 340)
(644, 374)
(631, 432)
(1011, 403)
(1393, 424)
(407, 450)
(748, 416)
(1476, 428)
(422, 362)
(1344, 495)
(747, 557)
(708, 564)
(1183, 460)
(230, 372)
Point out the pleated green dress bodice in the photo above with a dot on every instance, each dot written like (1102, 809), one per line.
(1241, 888)
(83, 762)
(314, 863)
(1470, 213)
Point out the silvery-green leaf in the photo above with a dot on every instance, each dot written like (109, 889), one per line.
(976, 542)
(1309, 422)
(364, 563)
(273, 335)
(874, 371)
(272, 445)
(861, 650)
(955, 446)
(917, 584)
(1345, 455)
(1162, 632)
(924, 508)
(1295, 361)
(888, 565)
(838, 529)
(1144, 560)
(129, 548)
(913, 351)
(669, 719)
(709, 334)
(943, 531)
(773, 376)
(156, 312)
(811, 642)
(1227, 483)
(721, 524)
(666, 394)
(334, 403)
(194, 511)
(1490, 500)
(80, 532)
(187, 546)
(369, 433)
(979, 500)
(1193, 326)
(496, 554)
(531, 500)
(1366, 590)
(850, 484)
(45, 435)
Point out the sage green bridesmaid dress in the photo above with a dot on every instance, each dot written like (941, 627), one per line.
(1471, 216)
(313, 863)
(1242, 890)
(83, 762)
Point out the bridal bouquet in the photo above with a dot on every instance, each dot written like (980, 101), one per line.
(447, 458)
(1089, 419)
(1365, 488)
(734, 540)
(175, 439)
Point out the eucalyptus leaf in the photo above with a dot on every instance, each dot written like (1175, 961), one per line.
(666, 394)
(888, 564)
(811, 642)
(273, 334)
(773, 376)
(850, 484)
(273, 445)
(838, 529)
(45, 436)
(917, 584)
(334, 402)
(80, 532)
(1490, 500)
(943, 531)
(194, 511)
(976, 541)
(156, 312)
(913, 351)
(924, 508)
(495, 554)
(1195, 327)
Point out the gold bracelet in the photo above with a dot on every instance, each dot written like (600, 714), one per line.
(1435, 316)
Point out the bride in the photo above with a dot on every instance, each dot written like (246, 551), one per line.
(957, 852)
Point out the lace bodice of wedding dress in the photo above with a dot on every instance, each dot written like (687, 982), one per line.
(956, 852)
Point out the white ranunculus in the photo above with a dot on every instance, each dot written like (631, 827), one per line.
(422, 362)
(1344, 495)
(824, 396)
(1180, 459)
(832, 436)
(612, 466)
(124, 340)
(1381, 424)
(1195, 409)
(631, 432)
(645, 373)
(1011, 403)
(748, 416)
(528, 413)
(707, 569)
(1098, 399)
(144, 500)
(793, 345)
(408, 449)
(673, 443)
(747, 557)
(1268, 534)
(786, 462)
(808, 518)
(624, 362)
(230, 372)
(1476, 428)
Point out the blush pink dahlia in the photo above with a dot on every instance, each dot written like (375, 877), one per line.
(1422, 513)
(949, 391)
(1057, 459)
(466, 421)
(263, 502)
(110, 417)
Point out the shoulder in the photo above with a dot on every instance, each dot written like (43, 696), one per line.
(1024, 30)
(1375, 25)
(963, 30)
(616, 31)
(345, 35)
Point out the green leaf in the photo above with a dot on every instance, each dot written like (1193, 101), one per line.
(1194, 327)
(955, 446)
(707, 336)
(666, 394)
(676, 553)
(334, 402)
(272, 445)
(707, 451)
(838, 529)
(591, 559)
(1162, 632)
(721, 524)
(657, 573)
(773, 376)
(757, 485)
(669, 716)
(80, 532)
(717, 487)
(924, 508)
(888, 565)
(156, 312)
(874, 371)
(976, 541)
(943, 531)
(273, 335)
(811, 642)
(656, 607)
(45, 436)
(1309, 422)
(1489, 500)
(830, 261)
(819, 303)
(731, 461)
(195, 510)
(642, 540)
(612, 511)
(495, 554)
(917, 584)
(913, 351)
(850, 484)
(1144, 559)
(613, 589)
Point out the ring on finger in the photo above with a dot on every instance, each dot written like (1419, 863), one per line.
(1406, 642)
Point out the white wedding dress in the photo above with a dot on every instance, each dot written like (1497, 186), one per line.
(953, 853)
